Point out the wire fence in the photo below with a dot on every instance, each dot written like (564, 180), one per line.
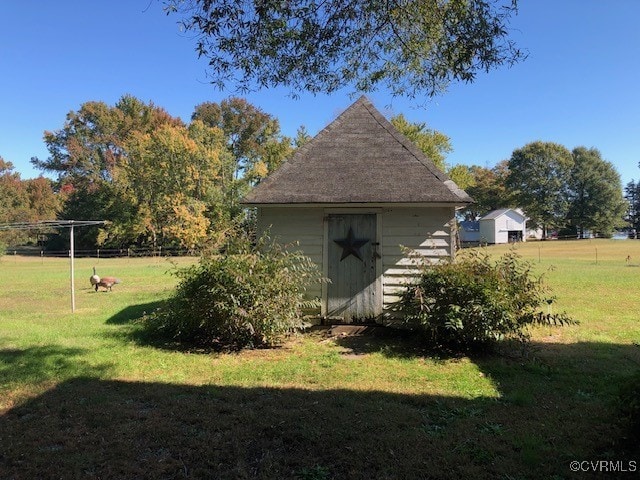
(102, 252)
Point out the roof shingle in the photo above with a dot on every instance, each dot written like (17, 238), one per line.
(360, 157)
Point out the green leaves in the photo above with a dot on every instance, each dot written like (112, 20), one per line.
(539, 174)
(488, 189)
(248, 297)
(411, 47)
(253, 141)
(435, 145)
(24, 201)
(596, 197)
(477, 301)
(156, 179)
(558, 188)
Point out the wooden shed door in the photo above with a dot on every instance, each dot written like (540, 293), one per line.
(352, 267)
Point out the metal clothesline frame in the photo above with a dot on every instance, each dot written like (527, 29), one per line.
(44, 224)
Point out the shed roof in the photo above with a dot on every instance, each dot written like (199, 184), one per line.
(360, 157)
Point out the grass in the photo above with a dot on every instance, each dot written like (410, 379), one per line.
(81, 396)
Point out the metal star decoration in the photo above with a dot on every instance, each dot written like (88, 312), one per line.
(351, 245)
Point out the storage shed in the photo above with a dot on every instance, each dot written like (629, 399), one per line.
(352, 198)
(469, 231)
(505, 225)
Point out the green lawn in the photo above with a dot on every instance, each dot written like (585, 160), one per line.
(82, 397)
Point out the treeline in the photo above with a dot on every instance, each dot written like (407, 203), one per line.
(574, 191)
(157, 180)
(163, 182)
(21, 200)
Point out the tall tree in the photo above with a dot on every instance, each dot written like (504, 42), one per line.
(302, 137)
(253, 139)
(595, 194)
(90, 145)
(24, 201)
(171, 181)
(435, 145)
(410, 47)
(86, 154)
(539, 175)
(488, 189)
(632, 195)
(44, 202)
(13, 203)
(248, 131)
(462, 175)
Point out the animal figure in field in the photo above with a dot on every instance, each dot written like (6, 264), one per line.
(105, 282)
(94, 279)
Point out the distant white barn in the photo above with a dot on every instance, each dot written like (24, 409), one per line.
(506, 225)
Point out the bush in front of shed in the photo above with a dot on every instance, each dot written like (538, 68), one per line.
(250, 296)
(476, 301)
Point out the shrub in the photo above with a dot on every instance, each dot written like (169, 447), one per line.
(247, 297)
(475, 301)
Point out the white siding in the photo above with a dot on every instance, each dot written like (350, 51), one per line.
(424, 231)
(515, 222)
(501, 229)
(496, 230)
(297, 229)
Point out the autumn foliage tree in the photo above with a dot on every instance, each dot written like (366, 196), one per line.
(24, 201)
(171, 179)
(253, 140)
(85, 155)
(157, 180)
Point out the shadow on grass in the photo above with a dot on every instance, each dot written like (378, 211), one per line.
(38, 364)
(390, 342)
(547, 415)
(138, 331)
(88, 428)
(134, 312)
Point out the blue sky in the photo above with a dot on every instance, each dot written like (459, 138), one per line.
(579, 86)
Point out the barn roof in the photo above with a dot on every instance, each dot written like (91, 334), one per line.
(501, 211)
(360, 157)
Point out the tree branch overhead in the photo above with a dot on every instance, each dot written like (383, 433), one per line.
(410, 47)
